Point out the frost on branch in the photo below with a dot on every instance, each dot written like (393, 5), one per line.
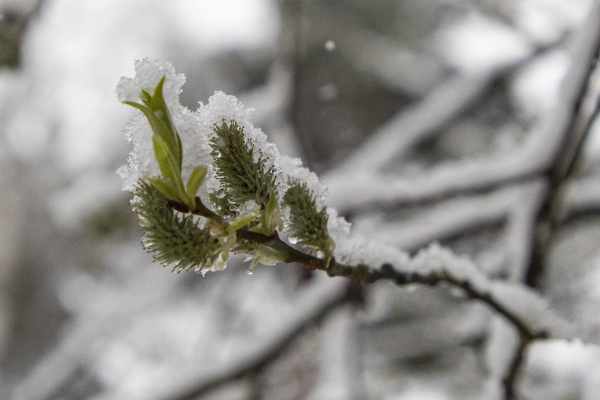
(247, 194)
(207, 183)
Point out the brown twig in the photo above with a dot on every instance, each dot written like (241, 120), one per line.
(365, 274)
(575, 127)
(515, 368)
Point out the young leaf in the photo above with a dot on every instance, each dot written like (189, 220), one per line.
(147, 99)
(239, 224)
(164, 188)
(157, 113)
(265, 255)
(158, 126)
(271, 216)
(195, 181)
(161, 111)
(170, 170)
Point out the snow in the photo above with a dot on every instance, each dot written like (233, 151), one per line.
(222, 107)
(479, 43)
(67, 62)
(560, 369)
(351, 250)
(537, 85)
(194, 128)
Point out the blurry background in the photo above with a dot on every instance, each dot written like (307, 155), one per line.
(429, 120)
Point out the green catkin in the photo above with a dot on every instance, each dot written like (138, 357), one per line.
(173, 239)
(242, 177)
(307, 224)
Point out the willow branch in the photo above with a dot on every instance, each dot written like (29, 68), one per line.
(515, 368)
(578, 117)
(366, 274)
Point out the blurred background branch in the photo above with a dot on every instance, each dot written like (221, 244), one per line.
(468, 123)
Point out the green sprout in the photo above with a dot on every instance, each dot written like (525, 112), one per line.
(308, 225)
(170, 213)
(243, 178)
(168, 150)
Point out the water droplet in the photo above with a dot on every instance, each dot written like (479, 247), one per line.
(320, 254)
(328, 92)
(330, 45)
(220, 142)
(250, 272)
(220, 193)
(292, 240)
(158, 113)
(411, 288)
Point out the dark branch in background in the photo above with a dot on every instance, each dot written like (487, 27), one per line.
(253, 368)
(582, 103)
(572, 120)
(366, 274)
(13, 24)
(515, 369)
(577, 96)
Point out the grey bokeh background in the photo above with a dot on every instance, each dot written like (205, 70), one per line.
(420, 115)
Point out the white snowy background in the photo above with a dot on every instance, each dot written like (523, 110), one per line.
(464, 111)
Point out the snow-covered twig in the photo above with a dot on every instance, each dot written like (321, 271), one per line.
(572, 119)
(243, 197)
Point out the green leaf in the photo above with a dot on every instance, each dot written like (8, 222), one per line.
(157, 101)
(166, 161)
(161, 111)
(239, 224)
(164, 188)
(158, 127)
(195, 181)
(146, 98)
(266, 256)
(157, 113)
(271, 215)
(170, 170)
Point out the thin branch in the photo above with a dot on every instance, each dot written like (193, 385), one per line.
(515, 369)
(580, 101)
(366, 274)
